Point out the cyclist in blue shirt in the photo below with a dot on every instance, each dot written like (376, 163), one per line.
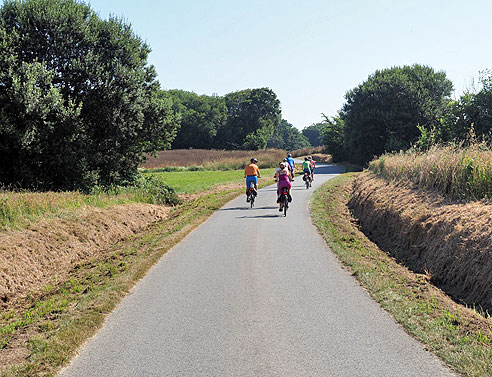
(292, 165)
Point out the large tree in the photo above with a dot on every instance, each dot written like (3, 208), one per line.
(251, 117)
(78, 102)
(382, 114)
(200, 117)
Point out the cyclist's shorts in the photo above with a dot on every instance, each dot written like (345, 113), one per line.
(307, 171)
(251, 178)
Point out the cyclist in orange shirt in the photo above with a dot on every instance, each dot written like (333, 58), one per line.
(251, 173)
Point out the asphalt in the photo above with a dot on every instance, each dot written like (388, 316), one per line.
(253, 293)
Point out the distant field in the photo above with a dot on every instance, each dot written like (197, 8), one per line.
(214, 159)
(188, 182)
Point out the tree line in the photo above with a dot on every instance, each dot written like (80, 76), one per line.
(246, 119)
(80, 106)
(406, 107)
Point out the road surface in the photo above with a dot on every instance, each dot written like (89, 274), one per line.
(253, 293)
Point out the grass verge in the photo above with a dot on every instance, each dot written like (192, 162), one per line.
(49, 326)
(460, 336)
(19, 209)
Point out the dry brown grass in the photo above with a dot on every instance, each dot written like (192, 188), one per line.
(321, 157)
(463, 173)
(30, 259)
(214, 159)
(450, 242)
(307, 151)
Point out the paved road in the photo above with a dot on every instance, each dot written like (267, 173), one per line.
(251, 293)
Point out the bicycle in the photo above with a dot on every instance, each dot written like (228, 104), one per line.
(284, 199)
(251, 193)
(307, 180)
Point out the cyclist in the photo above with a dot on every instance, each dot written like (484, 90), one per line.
(291, 166)
(306, 166)
(282, 176)
(313, 165)
(252, 173)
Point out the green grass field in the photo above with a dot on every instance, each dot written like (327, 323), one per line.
(189, 182)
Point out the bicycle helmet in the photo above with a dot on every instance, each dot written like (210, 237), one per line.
(289, 155)
(306, 158)
(254, 160)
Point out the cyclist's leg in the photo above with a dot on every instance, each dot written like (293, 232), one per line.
(248, 182)
(255, 180)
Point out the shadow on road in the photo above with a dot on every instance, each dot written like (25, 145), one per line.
(261, 216)
(235, 208)
(246, 206)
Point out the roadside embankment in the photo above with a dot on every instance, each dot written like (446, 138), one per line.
(449, 241)
(44, 253)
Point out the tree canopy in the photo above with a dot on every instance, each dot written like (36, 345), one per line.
(200, 117)
(333, 137)
(382, 114)
(314, 134)
(79, 105)
(252, 115)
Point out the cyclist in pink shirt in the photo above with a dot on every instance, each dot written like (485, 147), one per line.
(283, 179)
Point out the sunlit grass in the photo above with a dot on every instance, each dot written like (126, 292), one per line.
(193, 181)
(460, 173)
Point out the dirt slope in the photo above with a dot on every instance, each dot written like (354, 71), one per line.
(450, 241)
(30, 259)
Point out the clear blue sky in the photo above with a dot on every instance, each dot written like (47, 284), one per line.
(309, 52)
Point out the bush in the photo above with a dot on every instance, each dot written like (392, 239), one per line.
(156, 192)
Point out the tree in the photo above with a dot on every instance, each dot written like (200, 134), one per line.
(313, 134)
(382, 114)
(200, 116)
(482, 106)
(251, 117)
(78, 103)
(333, 137)
(470, 114)
(286, 136)
(458, 119)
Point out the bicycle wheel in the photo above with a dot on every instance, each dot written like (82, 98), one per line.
(286, 203)
(252, 194)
